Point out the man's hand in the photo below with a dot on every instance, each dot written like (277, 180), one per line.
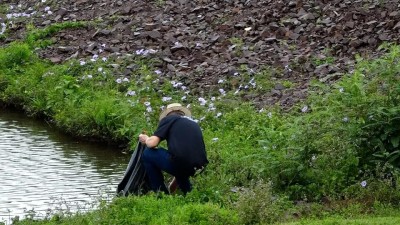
(143, 138)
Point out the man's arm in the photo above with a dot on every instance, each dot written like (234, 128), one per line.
(150, 142)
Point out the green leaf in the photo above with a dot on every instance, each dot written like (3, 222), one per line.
(395, 141)
(394, 156)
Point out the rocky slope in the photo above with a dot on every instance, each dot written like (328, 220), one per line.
(201, 42)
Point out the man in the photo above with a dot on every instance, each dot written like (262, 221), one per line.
(186, 153)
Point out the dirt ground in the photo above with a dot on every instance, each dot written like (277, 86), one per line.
(201, 42)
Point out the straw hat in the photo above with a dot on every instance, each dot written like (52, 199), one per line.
(175, 107)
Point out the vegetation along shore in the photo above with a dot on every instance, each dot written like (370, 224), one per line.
(298, 100)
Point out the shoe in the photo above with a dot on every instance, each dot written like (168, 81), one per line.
(173, 186)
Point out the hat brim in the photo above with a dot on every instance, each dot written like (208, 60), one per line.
(185, 111)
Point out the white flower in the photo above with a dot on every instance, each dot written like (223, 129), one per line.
(287, 68)
(147, 104)
(252, 82)
(164, 99)
(82, 63)
(304, 109)
(183, 98)
(89, 76)
(202, 101)
(158, 72)
(100, 69)
(211, 107)
(215, 139)
(218, 115)
(179, 84)
(149, 109)
(142, 52)
(341, 90)
(345, 119)
(139, 52)
(131, 93)
(220, 81)
(269, 115)
(222, 91)
(104, 59)
(119, 80)
(125, 80)
(47, 8)
(3, 28)
(363, 183)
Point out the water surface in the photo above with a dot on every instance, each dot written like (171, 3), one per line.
(43, 171)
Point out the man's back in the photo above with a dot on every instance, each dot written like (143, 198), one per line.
(185, 140)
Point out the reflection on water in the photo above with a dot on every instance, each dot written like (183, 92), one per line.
(42, 170)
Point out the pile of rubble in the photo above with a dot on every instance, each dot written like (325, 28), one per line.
(201, 42)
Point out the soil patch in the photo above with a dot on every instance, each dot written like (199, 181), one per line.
(201, 42)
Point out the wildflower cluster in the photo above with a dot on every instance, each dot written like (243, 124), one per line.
(18, 15)
(17, 11)
(251, 84)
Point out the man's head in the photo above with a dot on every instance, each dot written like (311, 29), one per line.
(175, 108)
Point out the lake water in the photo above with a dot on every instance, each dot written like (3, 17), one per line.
(43, 171)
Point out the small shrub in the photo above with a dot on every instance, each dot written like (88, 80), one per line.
(258, 205)
(16, 54)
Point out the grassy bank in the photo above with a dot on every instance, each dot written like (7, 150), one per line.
(336, 152)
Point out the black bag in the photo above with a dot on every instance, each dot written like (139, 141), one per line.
(135, 180)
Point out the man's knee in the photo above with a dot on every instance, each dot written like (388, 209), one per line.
(147, 154)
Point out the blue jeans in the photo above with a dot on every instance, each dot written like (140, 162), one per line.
(156, 160)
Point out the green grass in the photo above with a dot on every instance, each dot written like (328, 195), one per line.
(371, 220)
(37, 37)
(264, 163)
(152, 210)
